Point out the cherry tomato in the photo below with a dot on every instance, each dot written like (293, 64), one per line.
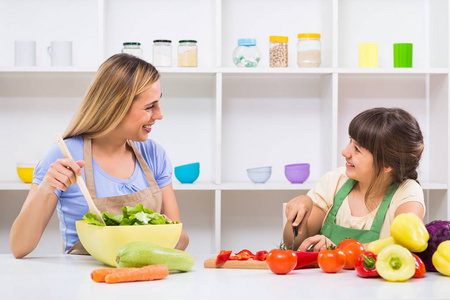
(331, 260)
(352, 250)
(281, 261)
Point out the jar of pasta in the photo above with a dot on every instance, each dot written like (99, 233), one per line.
(187, 53)
(308, 50)
(132, 48)
(246, 54)
(278, 51)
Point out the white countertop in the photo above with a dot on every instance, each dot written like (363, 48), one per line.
(68, 277)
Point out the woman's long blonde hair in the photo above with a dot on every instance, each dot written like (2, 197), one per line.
(118, 81)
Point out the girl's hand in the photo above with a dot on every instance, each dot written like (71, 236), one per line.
(61, 174)
(315, 243)
(299, 209)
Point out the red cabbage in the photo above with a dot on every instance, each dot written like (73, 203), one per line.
(439, 231)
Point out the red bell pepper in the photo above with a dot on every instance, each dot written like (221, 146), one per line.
(305, 258)
(222, 257)
(261, 255)
(420, 267)
(242, 255)
(365, 265)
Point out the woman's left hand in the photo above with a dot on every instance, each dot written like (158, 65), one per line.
(317, 242)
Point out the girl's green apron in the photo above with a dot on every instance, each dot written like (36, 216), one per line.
(338, 233)
(150, 197)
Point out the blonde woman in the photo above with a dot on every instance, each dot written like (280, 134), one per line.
(108, 140)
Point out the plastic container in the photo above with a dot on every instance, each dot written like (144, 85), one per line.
(162, 53)
(187, 53)
(308, 50)
(260, 174)
(187, 173)
(246, 54)
(132, 48)
(296, 173)
(278, 51)
(25, 171)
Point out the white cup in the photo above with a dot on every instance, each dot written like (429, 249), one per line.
(60, 53)
(25, 53)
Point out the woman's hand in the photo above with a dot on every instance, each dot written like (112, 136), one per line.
(61, 174)
(315, 243)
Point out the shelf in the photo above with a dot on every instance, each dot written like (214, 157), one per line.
(237, 186)
(236, 70)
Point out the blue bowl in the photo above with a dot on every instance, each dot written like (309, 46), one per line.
(259, 175)
(187, 173)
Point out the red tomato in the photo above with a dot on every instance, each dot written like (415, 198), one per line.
(281, 261)
(331, 260)
(420, 267)
(352, 250)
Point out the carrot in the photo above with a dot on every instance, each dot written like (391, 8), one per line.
(98, 275)
(151, 272)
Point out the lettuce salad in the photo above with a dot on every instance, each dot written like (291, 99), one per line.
(138, 215)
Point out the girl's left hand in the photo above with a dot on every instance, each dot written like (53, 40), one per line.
(317, 242)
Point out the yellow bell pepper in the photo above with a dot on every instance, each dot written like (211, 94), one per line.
(395, 263)
(378, 245)
(409, 231)
(441, 258)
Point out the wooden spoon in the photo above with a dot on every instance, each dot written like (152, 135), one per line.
(80, 181)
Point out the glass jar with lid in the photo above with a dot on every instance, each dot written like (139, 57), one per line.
(162, 53)
(308, 50)
(278, 51)
(132, 48)
(246, 54)
(187, 53)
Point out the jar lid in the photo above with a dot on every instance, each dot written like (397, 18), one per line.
(131, 43)
(246, 42)
(277, 38)
(162, 41)
(308, 35)
(187, 41)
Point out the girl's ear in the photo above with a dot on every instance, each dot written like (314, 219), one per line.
(387, 169)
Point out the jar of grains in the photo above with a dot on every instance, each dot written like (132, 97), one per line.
(308, 50)
(278, 51)
(246, 54)
(187, 53)
(132, 48)
(162, 53)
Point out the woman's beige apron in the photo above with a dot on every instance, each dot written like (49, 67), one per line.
(150, 197)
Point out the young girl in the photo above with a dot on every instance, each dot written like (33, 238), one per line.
(108, 136)
(379, 182)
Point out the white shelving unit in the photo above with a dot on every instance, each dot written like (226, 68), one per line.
(227, 118)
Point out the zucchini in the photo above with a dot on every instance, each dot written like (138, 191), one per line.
(139, 254)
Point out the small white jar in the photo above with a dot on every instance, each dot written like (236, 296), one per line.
(162, 53)
(132, 48)
(308, 50)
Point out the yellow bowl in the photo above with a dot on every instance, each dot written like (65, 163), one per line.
(25, 172)
(103, 242)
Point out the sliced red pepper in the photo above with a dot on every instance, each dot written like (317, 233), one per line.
(365, 265)
(222, 257)
(261, 255)
(246, 253)
(305, 258)
(420, 267)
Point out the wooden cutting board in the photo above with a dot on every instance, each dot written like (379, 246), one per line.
(235, 264)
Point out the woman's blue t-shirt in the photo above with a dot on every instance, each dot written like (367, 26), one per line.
(72, 206)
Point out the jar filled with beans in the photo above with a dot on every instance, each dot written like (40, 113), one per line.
(278, 51)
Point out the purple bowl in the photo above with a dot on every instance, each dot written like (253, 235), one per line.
(296, 173)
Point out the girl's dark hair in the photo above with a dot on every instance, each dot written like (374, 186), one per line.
(394, 138)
